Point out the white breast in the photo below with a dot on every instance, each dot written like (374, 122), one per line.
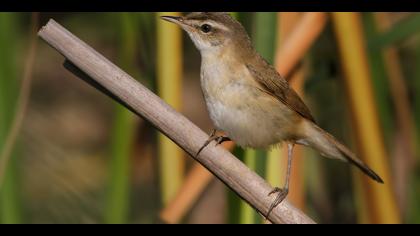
(249, 116)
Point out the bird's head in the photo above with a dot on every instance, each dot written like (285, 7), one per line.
(210, 30)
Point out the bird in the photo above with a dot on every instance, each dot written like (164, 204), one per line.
(249, 101)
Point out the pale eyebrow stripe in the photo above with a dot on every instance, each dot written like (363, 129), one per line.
(218, 25)
(212, 23)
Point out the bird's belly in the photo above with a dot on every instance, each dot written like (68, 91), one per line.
(250, 117)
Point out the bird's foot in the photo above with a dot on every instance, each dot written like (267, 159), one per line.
(218, 138)
(281, 195)
(222, 139)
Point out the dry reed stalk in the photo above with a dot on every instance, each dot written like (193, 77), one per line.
(96, 70)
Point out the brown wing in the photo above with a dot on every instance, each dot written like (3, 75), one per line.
(272, 82)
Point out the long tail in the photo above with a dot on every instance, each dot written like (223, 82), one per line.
(328, 146)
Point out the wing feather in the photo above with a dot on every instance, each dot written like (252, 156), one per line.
(275, 85)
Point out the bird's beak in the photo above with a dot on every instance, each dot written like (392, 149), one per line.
(174, 19)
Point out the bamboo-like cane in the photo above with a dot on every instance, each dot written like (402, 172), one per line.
(108, 78)
(379, 198)
(169, 77)
(405, 139)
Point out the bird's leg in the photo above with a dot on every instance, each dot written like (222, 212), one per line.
(282, 192)
(213, 136)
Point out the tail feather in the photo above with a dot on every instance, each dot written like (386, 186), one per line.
(330, 147)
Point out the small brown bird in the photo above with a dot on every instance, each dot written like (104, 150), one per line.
(249, 100)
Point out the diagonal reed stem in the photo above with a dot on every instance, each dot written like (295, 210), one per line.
(107, 77)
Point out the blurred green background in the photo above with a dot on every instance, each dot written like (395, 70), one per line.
(80, 157)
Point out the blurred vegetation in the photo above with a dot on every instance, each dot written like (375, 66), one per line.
(169, 87)
(10, 202)
(123, 129)
(82, 158)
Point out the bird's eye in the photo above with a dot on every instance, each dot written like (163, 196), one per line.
(206, 28)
